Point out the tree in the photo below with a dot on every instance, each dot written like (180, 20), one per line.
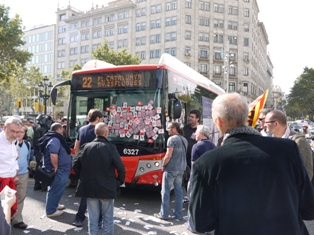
(105, 53)
(302, 93)
(12, 56)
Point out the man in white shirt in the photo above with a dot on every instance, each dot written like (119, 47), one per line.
(9, 154)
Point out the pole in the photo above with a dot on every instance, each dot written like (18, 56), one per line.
(227, 65)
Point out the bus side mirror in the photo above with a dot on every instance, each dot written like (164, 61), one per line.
(177, 109)
(53, 95)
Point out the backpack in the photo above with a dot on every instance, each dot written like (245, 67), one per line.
(28, 144)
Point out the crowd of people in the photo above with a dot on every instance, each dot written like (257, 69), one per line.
(254, 181)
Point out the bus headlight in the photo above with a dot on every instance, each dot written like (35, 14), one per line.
(156, 164)
(148, 165)
(142, 169)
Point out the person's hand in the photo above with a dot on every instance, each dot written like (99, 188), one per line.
(17, 180)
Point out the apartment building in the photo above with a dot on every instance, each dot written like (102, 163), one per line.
(40, 42)
(223, 40)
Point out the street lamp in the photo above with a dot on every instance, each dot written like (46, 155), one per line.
(227, 65)
(44, 91)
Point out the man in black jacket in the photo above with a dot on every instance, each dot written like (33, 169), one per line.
(250, 184)
(95, 166)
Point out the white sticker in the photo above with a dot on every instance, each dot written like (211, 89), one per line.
(155, 130)
(142, 138)
(132, 109)
(155, 137)
(122, 135)
(149, 106)
(158, 110)
(160, 131)
(136, 137)
(118, 109)
(128, 135)
(125, 105)
(138, 108)
(157, 116)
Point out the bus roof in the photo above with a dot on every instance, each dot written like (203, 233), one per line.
(166, 62)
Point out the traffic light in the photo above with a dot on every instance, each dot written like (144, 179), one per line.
(37, 106)
(19, 103)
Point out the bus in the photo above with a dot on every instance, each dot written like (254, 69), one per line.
(138, 102)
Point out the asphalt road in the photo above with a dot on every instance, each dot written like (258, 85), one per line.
(133, 215)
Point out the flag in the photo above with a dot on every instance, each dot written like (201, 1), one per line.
(255, 107)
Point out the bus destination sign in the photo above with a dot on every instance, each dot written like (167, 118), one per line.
(117, 80)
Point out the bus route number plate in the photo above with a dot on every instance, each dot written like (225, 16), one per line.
(130, 151)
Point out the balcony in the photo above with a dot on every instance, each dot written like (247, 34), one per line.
(218, 58)
(217, 74)
(203, 57)
(203, 72)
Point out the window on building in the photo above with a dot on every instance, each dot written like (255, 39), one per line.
(200, 36)
(138, 27)
(151, 54)
(168, 21)
(203, 68)
(62, 17)
(143, 26)
(187, 51)
(167, 50)
(188, 3)
(138, 12)
(158, 23)
(246, 12)
(158, 38)
(246, 42)
(120, 43)
(188, 19)
(138, 41)
(158, 8)
(246, 71)
(174, 5)
(203, 53)
(152, 39)
(125, 29)
(152, 24)
(168, 6)
(246, 57)
(167, 38)
(188, 35)
(174, 20)
(245, 88)
(173, 36)
(232, 86)
(246, 27)
(143, 55)
(158, 53)
(143, 40)
(143, 11)
(217, 69)
(173, 51)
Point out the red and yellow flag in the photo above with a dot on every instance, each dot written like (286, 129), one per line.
(255, 107)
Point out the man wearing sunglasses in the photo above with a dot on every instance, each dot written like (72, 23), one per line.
(261, 121)
(276, 124)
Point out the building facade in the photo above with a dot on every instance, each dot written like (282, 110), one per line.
(40, 42)
(223, 40)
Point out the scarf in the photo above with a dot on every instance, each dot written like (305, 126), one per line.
(43, 141)
(240, 130)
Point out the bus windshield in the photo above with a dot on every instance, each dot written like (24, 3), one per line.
(134, 118)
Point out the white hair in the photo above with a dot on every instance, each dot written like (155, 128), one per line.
(232, 108)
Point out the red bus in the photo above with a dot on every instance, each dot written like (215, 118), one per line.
(138, 101)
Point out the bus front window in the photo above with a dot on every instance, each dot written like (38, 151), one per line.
(133, 117)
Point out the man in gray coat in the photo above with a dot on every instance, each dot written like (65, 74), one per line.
(95, 166)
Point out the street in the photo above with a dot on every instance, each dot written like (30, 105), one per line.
(132, 215)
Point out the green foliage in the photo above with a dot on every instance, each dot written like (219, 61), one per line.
(105, 53)
(68, 73)
(11, 56)
(301, 97)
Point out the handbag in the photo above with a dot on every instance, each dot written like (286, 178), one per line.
(45, 176)
(186, 175)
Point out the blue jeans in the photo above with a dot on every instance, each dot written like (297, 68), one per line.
(170, 178)
(96, 207)
(55, 190)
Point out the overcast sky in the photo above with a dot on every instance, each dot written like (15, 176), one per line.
(288, 25)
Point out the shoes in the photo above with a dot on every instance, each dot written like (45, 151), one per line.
(78, 223)
(20, 225)
(36, 188)
(186, 200)
(60, 207)
(57, 213)
(157, 215)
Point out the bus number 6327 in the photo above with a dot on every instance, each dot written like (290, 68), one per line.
(130, 151)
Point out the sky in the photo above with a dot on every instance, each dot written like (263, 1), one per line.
(287, 23)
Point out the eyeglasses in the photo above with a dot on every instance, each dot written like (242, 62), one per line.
(16, 132)
(261, 119)
(271, 121)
